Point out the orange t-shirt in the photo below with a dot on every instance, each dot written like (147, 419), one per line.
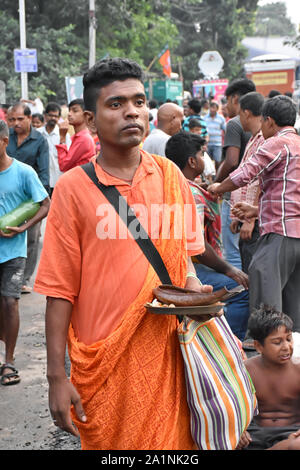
(89, 258)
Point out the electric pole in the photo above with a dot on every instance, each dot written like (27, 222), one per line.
(92, 33)
(24, 76)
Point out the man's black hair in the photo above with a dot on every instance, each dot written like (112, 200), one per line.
(39, 116)
(195, 105)
(252, 101)
(282, 109)
(183, 145)
(240, 87)
(153, 104)
(105, 72)
(26, 109)
(78, 102)
(52, 106)
(265, 320)
(273, 93)
(194, 123)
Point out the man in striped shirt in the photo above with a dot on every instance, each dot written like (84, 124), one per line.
(274, 273)
(216, 125)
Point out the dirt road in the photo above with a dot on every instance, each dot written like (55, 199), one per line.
(25, 421)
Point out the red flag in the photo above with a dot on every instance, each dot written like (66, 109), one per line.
(165, 61)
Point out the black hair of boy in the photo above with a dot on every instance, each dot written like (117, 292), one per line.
(273, 93)
(253, 102)
(38, 116)
(78, 102)
(265, 320)
(240, 87)
(195, 105)
(282, 109)
(183, 145)
(105, 72)
(52, 106)
(194, 123)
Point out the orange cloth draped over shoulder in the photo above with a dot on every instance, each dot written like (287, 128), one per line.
(132, 382)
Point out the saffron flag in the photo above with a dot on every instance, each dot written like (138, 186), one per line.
(165, 61)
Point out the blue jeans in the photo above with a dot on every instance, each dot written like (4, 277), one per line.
(215, 152)
(230, 241)
(237, 308)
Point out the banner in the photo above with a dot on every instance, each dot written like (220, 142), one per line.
(165, 61)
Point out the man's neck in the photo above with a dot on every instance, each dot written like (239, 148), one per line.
(119, 163)
(23, 136)
(163, 129)
(79, 127)
(5, 161)
(49, 128)
(255, 126)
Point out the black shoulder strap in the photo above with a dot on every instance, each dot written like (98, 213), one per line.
(127, 215)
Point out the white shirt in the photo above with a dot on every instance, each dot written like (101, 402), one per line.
(53, 139)
(156, 142)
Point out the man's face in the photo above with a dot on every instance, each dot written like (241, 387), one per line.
(232, 106)
(213, 110)
(76, 115)
(278, 346)
(176, 122)
(20, 122)
(51, 118)
(199, 162)
(122, 116)
(243, 119)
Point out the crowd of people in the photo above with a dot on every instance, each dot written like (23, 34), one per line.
(236, 163)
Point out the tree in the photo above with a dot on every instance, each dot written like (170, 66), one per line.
(272, 20)
(213, 25)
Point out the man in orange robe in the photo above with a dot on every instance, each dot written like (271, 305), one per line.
(127, 388)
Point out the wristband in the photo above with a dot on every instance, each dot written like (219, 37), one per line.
(191, 274)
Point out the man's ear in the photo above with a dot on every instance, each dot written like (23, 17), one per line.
(191, 162)
(89, 118)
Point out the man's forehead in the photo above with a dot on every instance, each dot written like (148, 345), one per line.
(129, 86)
(19, 111)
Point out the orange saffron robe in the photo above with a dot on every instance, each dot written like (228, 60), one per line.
(132, 382)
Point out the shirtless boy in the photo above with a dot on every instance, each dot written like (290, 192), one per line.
(277, 381)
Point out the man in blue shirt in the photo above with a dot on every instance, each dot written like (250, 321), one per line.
(18, 183)
(29, 146)
(216, 125)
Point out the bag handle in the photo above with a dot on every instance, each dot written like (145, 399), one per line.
(127, 215)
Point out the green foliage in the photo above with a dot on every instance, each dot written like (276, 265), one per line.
(272, 20)
(138, 29)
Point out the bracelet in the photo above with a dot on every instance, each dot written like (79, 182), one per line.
(191, 274)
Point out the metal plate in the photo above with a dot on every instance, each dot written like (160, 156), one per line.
(190, 311)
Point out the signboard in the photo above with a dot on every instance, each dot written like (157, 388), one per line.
(74, 88)
(211, 64)
(270, 78)
(25, 60)
(208, 88)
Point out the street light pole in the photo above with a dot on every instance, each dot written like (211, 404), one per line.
(92, 33)
(24, 76)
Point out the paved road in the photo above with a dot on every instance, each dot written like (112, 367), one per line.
(25, 421)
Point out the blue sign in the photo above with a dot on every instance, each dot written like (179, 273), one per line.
(25, 60)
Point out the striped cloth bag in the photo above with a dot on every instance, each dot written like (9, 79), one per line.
(220, 392)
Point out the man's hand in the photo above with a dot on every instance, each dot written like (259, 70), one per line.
(235, 226)
(63, 394)
(244, 441)
(13, 232)
(63, 129)
(214, 189)
(244, 211)
(247, 229)
(238, 276)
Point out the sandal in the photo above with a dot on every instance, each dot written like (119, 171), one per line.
(11, 378)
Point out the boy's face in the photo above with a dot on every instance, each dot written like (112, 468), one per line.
(36, 122)
(196, 130)
(76, 115)
(122, 116)
(278, 346)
